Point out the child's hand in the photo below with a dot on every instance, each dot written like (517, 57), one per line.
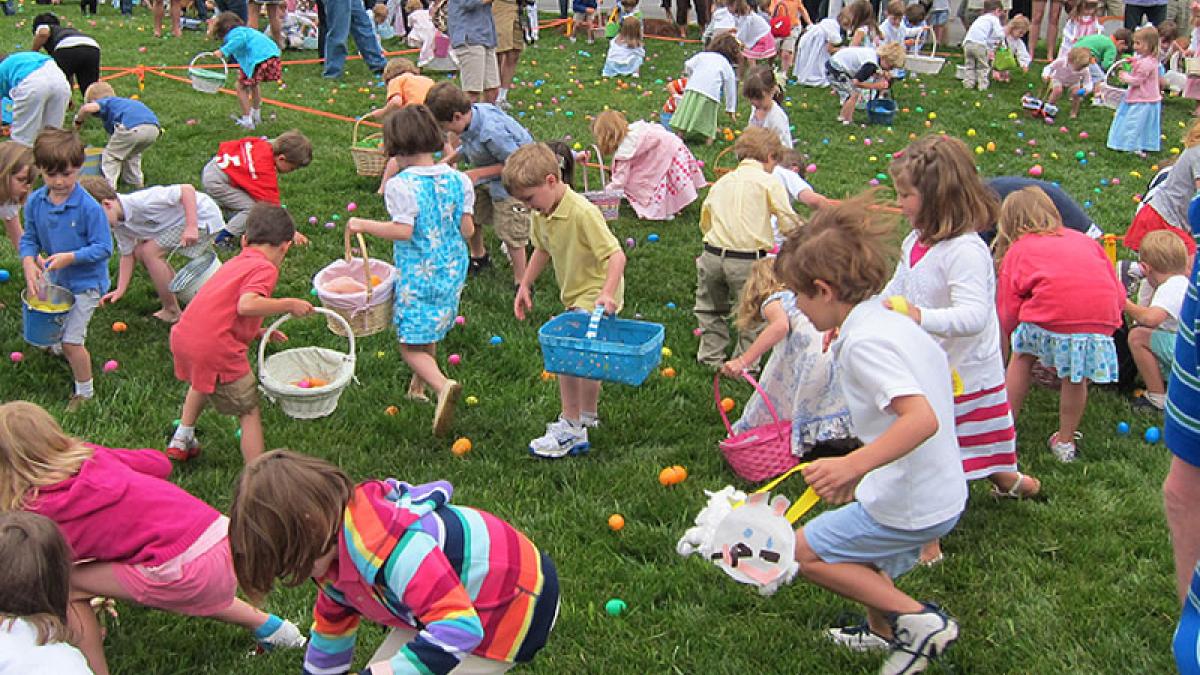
(298, 307)
(355, 225)
(60, 260)
(33, 277)
(733, 367)
(833, 479)
(189, 237)
(277, 336)
(299, 239)
(522, 303)
(913, 312)
(111, 297)
(607, 302)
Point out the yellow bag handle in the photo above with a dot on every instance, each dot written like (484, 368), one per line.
(803, 505)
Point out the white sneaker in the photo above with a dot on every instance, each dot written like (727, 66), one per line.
(244, 122)
(591, 421)
(1064, 451)
(256, 116)
(287, 636)
(858, 638)
(561, 439)
(919, 637)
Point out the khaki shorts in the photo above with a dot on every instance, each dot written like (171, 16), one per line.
(477, 67)
(508, 217)
(75, 327)
(509, 36)
(236, 398)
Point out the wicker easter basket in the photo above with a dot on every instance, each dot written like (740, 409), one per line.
(1107, 95)
(925, 65)
(279, 374)
(207, 80)
(608, 201)
(370, 160)
(362, 313)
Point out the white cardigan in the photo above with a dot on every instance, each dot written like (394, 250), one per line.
(710, 74)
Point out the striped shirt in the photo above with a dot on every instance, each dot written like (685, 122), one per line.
(1181, 428)
(469, 582)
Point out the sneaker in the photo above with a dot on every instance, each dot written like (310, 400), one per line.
(477, 265)
(287, 636)
(181, 450)
(246, 123)
(920, 637)
(1065, 451)
(591, 421)
(77, 402)
(858, 638)
(561, 439)
(256, 116)
(226, 240)
(443, 415)
(1143, 404)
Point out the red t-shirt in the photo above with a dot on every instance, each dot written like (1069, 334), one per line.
(211, 339)
(250, 164)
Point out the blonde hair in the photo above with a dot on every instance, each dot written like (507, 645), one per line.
(528, 167)
(758, 143)
(1149, 37)
(954, 200)
(846, 245)
(1164, 252)
(34, 452)
(399, 66)
(1026, 211)
(98, 90)
(1079, 58)
(631, 31)
(1018, 22)
(761, 283)
(609, 128)
(893, 54)
(1191, 137)
(98, 187)
(14, 158)
(414, 6)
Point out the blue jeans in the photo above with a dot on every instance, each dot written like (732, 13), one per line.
(236, 6)
(348, 18)
(10, 7)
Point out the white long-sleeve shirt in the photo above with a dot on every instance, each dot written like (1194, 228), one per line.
(711, 74)
(1019, 51)
(986, 30)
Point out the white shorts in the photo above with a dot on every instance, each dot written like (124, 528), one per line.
(75, 326)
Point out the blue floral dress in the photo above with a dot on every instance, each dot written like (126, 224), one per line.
(431, 267)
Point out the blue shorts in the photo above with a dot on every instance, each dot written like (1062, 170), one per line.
(1162, 343)
(938, 17)
(850, 535)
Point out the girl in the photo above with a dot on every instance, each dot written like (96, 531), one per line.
(652, 166)
(1135, 127)
(17, 174)
(39, 91)
(762, 90)
(814, 49)
(1081, 21)
(1014, 38)
(799, 377)
(430, 204)
(34, 593)
(625, 52)
(77, 55)
(721, 22)
(710, 79)
(459, 588)
(860, 25)
(1191, 89)
(144, 539)
(258, 58)
(1166, 203)
(753, 31)
(946, 276)
(1059, 303)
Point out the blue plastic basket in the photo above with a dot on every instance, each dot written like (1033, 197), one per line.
(612, 349)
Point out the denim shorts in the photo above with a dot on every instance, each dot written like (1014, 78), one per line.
(850, 535)
(938, 17)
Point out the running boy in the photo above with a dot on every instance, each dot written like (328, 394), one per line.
(589, 265)
(246, 171)
(132, 128)
(65, 224)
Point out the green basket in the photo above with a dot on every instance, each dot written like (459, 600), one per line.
(206, 80)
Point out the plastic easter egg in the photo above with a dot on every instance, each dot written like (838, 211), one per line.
(454, 359)
(1122, 428)
(111, 365)
(495, 340)
(1035, 170)
(1152, 435)
(652, 238)
(460, 320)
(811, 168)
(391, 410)
(119, 327)
(471, 400)
(5, 275)
(616, 522)
(16, 357)
(461, 447)
(615, 607)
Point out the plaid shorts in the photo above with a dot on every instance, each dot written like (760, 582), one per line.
(268, 71)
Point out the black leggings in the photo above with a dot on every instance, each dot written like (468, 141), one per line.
(681, 11)
(80, 64)
(88, 5)
(1136, 15)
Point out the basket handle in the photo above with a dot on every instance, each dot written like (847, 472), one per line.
(224, 63)
(717, 160)
(354, 135)
(593, 328)
(362, 247)
(266, 337)
(754, 383)
(600, 163)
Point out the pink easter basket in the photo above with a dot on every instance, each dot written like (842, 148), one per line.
(762, 452)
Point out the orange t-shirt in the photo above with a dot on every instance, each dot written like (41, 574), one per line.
(409, 87)
(791, 9)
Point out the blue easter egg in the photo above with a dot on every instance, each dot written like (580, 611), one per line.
(4, 276)
(670, 305)
(1152, 435)
(652, 238)
(1122, 428)
(496, 339)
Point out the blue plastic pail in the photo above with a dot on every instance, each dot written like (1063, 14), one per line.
(45, 328)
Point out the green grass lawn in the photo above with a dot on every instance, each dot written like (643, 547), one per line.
(1080, 582)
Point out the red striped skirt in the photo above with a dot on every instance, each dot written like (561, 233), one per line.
(986, 436)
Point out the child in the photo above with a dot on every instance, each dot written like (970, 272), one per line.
(979, 45)
(916, 28)
(1081, 22)
(405, 86)
(246, 171)
(17, 173)
(906, 482)
(797, 16)
(788, 170)
(1136, 126)
(753, 31)
(148, 225)
(1105, 51)
(814, 49)
(1059, 303)
(762, 89)
(34, 595)
(132, 128)
(939, 16)
(1164, 262)
(210, 342)
(39, 92)
(710, 78)
(1166, 203)
(621, 11)
(430, 205)
(892, 29)
(625, 52)
(569, 232)
(736, 223)
(77, 54)
(860, 24)
(460, 589)
(799, 377)
(1191, 87)
(257, 57)
(585, 19)
(488, 136)
(721, 21)
(135, 535)
(855, 68)
(434, 45)
(1070, 72)
(1014, 39)
(655, 170)
(69, 228)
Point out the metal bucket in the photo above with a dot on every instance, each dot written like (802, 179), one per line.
(44, 327)
(187, 281)
(91, 162)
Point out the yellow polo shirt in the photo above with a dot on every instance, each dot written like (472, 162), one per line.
(736, 215)
(580, 244)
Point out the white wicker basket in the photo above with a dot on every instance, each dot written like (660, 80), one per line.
(1107, 95)
(278, 373)
(925, 65)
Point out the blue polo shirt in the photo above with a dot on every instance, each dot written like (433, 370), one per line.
(127, 112)
(17, 66)
(79, 225)
(489, 139)
(249, 48)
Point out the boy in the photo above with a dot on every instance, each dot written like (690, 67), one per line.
(150, 223)
(1164, 263)
(979, 45)
(915, 27)
(589, 265)
(405, 86)
(210, 342)
(489, 136)
(893, 27)
(905, 485)
(39, 91)
(246, 171)
(1069, 72)
(66, 225)
(1105, 50)
(853, 68)
(132, 128)
(736, 223)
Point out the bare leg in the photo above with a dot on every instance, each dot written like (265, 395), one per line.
(253, 10)
(243, 94)
(424, 365)
(569, 389)
(161, 273)
(1035, 24)
(489, 95)
(1147, 362)
(80, 360)
(252, 435)
(276, 23)
(1052, 29)
(475, 243)
(1017, 380)
(931, 552)
(193, 405)
(589, 396)
(1071, 402)
(1005, 480)
(156, 8)
(508, 67)
(241, 614)
(520, 259)
(1181, 496)
(176, 13)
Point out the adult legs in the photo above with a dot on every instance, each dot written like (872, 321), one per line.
(1052, 28)
(1181, 497)
(1035, 24)
(337, 28)
(362, 29)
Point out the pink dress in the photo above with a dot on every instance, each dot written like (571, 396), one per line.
(657, 172)
(1191, 87)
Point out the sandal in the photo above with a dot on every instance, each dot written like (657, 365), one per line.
(1015, 491)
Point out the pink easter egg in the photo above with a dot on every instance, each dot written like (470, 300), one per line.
(352, 207)
(1083, 135)
(1116, 181)
(16, 357)
(111, 365)
(873, 182)
(1033, 142)
(811, 168)
(312, 220)
(696, 331)
(460, 320)
(454, 359)
(1063, 130)
(866, 141)
(1035, 170)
